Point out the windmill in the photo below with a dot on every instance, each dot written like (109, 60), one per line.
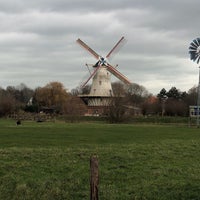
(194, 51)
(101, 89)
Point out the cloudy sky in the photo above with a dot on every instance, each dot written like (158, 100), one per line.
(38, 41)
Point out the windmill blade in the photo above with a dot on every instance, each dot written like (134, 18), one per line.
(192, 49)
(93, 73)
(193, 56)
(195, 43)
(198, 41)
(116, 48)
(198, 59)
(85, 46)
(119, 75)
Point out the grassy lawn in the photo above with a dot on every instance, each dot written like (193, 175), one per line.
(51, 161)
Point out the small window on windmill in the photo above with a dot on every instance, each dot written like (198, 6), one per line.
(100, 82)
(94, 90)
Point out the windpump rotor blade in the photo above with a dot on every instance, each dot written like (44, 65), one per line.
(85, 46)
(119, 75)
(92, 74)
(116, 48)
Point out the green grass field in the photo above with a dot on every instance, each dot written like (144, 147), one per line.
(51, 161)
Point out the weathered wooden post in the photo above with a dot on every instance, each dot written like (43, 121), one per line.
(94, 178)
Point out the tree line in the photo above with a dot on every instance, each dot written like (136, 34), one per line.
(173, 102)
(55, 98)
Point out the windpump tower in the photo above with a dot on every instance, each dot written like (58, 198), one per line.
(194, 51)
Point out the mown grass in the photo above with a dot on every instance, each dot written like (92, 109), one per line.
(51, 161)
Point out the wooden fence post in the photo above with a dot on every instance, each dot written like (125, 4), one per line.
(94, 178)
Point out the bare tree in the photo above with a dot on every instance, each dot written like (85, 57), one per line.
(74, 108)
(53, 95)
(137, 94)
(117, 107)
(7, 104)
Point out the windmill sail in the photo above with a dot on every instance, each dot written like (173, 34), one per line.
(119, 75)
(85, 46)
(116, 47)
(91, 75)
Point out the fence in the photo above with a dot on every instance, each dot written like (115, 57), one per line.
(94, 178)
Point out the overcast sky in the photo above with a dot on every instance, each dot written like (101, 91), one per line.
(38, 41)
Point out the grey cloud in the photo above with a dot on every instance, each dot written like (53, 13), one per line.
(38, 40)
(63, 5)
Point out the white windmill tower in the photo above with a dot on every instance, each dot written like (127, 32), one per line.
(101, 89)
